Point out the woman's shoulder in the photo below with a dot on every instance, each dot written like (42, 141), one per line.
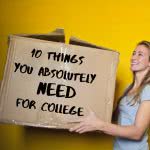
(145, 94)
(146, 88)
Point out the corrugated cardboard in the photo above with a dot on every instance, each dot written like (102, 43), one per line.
(35, 89)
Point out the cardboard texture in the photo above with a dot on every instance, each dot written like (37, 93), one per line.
(48, 83)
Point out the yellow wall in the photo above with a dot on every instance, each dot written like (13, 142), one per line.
(116, 24)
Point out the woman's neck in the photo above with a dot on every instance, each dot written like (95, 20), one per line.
(139, 76)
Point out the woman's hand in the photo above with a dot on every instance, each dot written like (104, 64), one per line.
(88, 124)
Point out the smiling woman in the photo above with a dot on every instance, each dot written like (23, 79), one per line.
(139, 61)
(134, 107)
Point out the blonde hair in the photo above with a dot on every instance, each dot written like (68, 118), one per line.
(145, 81)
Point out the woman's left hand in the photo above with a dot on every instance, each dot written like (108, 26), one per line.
(88, 124)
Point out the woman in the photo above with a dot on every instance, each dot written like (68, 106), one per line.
(134, 107)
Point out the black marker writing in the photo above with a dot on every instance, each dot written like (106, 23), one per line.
(23, 68)
(58, 90)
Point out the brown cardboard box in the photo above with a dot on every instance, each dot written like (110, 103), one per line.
(48, 83)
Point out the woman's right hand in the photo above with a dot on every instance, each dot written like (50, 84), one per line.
(88, 124)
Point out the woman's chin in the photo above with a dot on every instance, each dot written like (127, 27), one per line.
(137, 69)
(134, 69)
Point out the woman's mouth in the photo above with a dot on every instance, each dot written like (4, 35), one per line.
(134, 63)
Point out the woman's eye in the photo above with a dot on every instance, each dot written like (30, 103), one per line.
(140, 54)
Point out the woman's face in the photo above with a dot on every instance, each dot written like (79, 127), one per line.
(140, 59)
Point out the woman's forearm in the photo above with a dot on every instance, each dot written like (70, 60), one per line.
(129, 131)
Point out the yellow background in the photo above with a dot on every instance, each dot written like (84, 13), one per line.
(116, 24)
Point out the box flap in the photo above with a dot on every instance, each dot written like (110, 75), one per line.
(56, 36)
(77, 41)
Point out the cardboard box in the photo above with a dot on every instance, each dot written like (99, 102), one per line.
(48, 83)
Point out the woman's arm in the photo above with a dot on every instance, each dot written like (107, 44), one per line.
(135, 131)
